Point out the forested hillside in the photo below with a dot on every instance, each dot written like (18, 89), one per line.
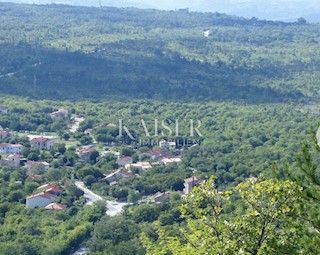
(134, 132)
(58, 51)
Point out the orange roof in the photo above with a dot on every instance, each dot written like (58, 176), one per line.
(2, 132)
(42, 194)
(6, 145)
(55, 206)
(40, 139)
(50, 187)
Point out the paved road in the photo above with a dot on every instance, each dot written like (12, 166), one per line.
(88, 194)
(112, 209)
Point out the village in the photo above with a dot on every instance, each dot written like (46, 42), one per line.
(128, 165)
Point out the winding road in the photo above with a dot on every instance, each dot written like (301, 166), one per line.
(112, 207)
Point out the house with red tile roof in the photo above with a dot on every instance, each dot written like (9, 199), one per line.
(50, 188)
(156, 153)
(42, 143)
(8, 148)
(118, 175)
(34, 165)
(85, 153)
(124, 161)
(40, 200)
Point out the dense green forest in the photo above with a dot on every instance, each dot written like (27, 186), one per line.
(252, 84)
(70, 52)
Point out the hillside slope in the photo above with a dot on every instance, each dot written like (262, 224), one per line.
(68, 52)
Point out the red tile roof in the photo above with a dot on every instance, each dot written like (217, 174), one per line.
(40, 139)
(42, 194)
(2, 132)
(6, 145)
(50, 187)
(55, 206)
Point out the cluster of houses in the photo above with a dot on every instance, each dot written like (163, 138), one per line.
(158, 156)
(11, 153)
(45, 196)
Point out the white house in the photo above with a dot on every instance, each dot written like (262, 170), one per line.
(40, 200)
(140, 165)
(168, 161)
(42, 143)
(10, 148)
